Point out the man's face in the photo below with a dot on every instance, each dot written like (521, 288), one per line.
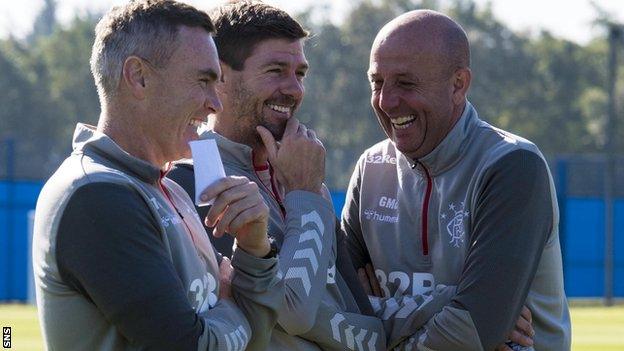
(183, 93)
(266, 92)
(411, 93)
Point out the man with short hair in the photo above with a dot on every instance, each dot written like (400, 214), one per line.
(456, 220)
(120, 256)
(261, 53)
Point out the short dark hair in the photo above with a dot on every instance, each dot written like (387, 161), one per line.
(241, 25)
(145, 28)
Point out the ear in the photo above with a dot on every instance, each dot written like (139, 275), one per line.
(461, 82)
(133, 76)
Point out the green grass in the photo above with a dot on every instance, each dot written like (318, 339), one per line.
(594, 328)
(22, 319)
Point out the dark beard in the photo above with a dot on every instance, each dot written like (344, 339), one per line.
(249, 117)
(276, 130)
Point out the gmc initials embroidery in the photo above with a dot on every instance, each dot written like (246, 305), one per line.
(455, 226)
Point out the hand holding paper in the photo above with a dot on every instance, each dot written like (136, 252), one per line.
(237, 206)
(207, 165)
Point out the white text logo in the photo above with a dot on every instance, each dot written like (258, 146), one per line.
(371, 214)
(388, 202)
(380, 159)
(205, 292)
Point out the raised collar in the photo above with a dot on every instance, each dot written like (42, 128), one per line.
(235, 154)
(87, 139)
(453, 146)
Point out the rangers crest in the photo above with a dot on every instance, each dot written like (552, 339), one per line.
(455, 226)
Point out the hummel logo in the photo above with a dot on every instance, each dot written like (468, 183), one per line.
(371, 214)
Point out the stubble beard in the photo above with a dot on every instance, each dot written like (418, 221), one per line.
(250, 115)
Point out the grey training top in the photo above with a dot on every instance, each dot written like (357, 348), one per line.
(116, 266)
(460, 239)
(319, 310)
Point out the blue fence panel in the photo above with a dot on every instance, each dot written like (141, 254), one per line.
(584, 249)
(618, 248)
(338, 198)
(5, 269)
(16, 199)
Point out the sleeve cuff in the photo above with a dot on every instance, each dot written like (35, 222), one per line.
(251, 265)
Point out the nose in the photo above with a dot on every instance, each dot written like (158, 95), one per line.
(293, 86)
(388, 99)
(212, 102)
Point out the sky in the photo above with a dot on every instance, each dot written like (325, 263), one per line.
(569, 19)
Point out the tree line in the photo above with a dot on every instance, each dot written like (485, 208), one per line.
(549, 90)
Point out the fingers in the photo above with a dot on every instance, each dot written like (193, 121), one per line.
(303, 130)
(242, 188)
(292, 126)
(252, 214)
(225, 270)
(269, 142)
(519, 338)
(229, 203)
(233, 210)
(312, 135)
(526, 314)
(363, 278)
(221, 185)
(225, 278)
(373, 280)
(525, 327)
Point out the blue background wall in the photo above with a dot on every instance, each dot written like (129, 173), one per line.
(16, 199)
(582, 240)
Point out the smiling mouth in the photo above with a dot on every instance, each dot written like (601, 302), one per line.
(197, 123)
(279, 108)
(402, 122)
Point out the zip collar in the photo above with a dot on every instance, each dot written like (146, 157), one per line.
(452, 147)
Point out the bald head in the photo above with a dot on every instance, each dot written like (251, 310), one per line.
(419, 73)
(428, 32)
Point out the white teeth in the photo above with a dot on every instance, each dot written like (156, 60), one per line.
(195, 123)
(402, 122)
(278, 108)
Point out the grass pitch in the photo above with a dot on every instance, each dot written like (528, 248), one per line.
(594, 328)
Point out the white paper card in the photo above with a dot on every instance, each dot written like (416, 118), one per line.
(208, 166)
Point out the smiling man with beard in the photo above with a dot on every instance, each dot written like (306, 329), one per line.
(263, 65)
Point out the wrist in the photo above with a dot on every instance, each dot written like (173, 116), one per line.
(259, 250)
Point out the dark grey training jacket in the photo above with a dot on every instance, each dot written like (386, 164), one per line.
(460, 239)
(118, 267)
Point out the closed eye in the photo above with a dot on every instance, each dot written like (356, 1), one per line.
(376, 84)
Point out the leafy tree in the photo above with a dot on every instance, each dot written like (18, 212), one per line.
(52, 90)
(45, 22)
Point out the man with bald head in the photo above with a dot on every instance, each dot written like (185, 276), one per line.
(452, 222)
